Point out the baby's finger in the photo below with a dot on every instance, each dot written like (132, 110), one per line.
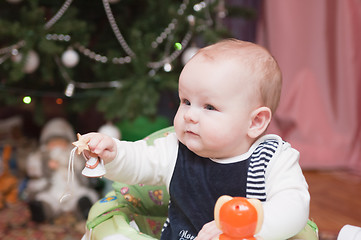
(87, 154)
(100, 145)
(94, 140)
(209, 232)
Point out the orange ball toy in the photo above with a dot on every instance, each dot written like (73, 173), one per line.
(238, 217)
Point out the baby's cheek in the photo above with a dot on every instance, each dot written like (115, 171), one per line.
(176, 121)
(215, 129)
(178, 125)
(214, 138)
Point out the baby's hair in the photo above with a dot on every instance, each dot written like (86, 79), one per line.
(258, 60)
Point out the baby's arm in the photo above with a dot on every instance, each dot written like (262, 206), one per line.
(287, 207)
(139, 162)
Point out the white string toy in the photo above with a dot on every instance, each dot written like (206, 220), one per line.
(94, 166)
(68, 190)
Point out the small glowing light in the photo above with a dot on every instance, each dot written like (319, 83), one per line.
(191, 19)
(178, 46)
(167, 67)
(197, 7)
(27, 100)
(69, 91)
(59, 101)
(14, 52)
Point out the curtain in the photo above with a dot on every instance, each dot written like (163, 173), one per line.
(318, 47)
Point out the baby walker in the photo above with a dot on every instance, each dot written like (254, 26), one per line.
(138, 212)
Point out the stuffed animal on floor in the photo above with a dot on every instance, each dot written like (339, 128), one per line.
(48, 172)
(9, 183)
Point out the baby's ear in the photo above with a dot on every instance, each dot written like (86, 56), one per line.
(260, 119)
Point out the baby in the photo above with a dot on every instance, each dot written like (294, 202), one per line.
(228, 92)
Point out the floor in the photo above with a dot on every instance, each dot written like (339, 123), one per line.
(15, 224)
(335, 201)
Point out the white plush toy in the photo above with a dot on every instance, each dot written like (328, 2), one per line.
(48, 172)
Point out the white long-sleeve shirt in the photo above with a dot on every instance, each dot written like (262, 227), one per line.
(285, 210)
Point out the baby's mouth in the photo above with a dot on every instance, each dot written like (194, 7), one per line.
(191, 133)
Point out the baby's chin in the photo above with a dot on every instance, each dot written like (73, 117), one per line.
(197, 146)
(194, 148)
(200, 151)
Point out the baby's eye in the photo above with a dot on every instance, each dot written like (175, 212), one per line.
(186, 102)
(209, 107)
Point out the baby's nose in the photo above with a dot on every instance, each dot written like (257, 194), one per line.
(191, 115)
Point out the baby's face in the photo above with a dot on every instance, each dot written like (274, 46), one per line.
(215, 108)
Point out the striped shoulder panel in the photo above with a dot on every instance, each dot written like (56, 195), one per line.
(257, 169)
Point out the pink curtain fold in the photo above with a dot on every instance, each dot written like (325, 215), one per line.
(317, 45)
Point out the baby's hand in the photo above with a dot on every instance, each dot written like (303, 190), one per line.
(101, 145)
(209, 231)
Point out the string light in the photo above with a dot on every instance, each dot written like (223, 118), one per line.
(121, 60)
(21, 92)
(178, 46)
(10, 48)
(167, 67)
(69, 91)
(27, 100)
(174, 55)
(116, 30)
(166, 34)
(58, 37)
(199, 6)
(58, 15)
(59, 101)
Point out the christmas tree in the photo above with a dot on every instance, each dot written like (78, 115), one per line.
(118, 56)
